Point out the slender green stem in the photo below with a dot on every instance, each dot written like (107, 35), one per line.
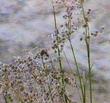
(59, 58)
(74, 56)
(73, 72)
(67, 60)
(78, 72)
(89, 66)
(87, 41)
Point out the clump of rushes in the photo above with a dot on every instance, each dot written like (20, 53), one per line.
(74, 18)
(69, 27)
(87, 38)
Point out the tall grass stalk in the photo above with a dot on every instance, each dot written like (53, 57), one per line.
(74, 74)
(87, 41)
(67, 60)
(82, 87)
(82, 83)
(77, 69)
(65, 99)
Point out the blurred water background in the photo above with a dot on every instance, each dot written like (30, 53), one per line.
(25, 24)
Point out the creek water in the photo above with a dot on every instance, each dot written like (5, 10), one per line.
(25, 24)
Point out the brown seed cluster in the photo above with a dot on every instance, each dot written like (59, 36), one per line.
(25, 80)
